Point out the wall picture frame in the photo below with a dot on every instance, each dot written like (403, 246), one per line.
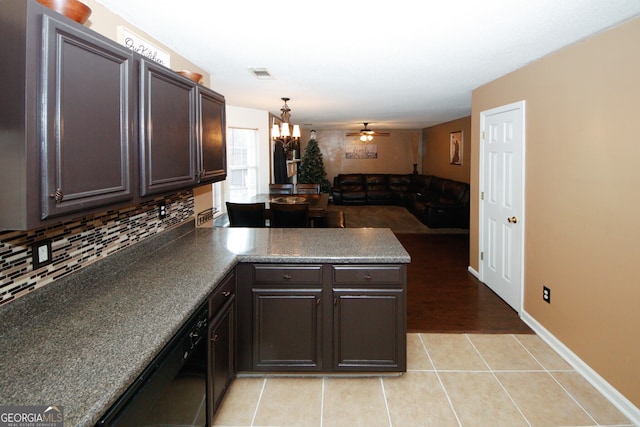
(361, 151)
(456, 142)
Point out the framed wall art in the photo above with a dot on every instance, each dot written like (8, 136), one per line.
(361, 151)
(455, 148)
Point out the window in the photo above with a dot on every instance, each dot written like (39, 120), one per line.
(216, 195)
(242, 150)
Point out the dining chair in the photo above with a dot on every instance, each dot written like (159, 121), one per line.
(246, 214)
(307, 188)
(289, 215)
(280, 188)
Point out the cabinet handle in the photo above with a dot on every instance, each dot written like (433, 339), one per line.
(367, 277)
(58, 195)
(226, 293)
(215, 338)
(335, 301)
(317, 301)
(286, 276)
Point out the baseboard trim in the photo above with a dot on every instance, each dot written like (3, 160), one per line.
(474, 272)
(614, 396)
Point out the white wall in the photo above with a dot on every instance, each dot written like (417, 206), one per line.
(249, 118)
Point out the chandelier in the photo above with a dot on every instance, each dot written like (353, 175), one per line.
(283, 132)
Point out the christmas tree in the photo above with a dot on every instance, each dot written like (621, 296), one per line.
(311, 169)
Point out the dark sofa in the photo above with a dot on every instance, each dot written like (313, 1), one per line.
(437, 202)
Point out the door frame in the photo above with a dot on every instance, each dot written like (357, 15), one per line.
(519, 105)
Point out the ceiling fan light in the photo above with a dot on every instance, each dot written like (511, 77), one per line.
(369, 137)
(363, 138)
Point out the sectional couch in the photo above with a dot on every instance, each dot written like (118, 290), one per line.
(436, 202)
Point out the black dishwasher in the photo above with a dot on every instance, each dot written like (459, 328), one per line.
(172, 389)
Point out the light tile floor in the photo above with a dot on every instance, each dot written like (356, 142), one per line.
(451, 380)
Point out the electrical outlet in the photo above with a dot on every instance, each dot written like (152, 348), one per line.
(41, 254)
(162, 210)
(546, 294)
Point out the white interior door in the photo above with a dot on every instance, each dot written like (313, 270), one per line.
(502, 201)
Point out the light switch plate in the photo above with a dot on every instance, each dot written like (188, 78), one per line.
(41, 253)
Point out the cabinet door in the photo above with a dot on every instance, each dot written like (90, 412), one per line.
(369, 330)
(222, 294)
(87, 121)
(287, 329)
(212, 154)
(221, 356)
(168, 130)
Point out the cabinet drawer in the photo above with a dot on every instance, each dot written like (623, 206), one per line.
(222, 293)
(361, 274)
(288, 274)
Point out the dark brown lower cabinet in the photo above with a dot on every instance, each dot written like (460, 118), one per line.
(287, 325)
(365, 330)
(369, 317)
(221, 354)
(321, 317)
(222, 344)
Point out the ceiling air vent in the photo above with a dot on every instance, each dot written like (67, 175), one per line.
(261, 73)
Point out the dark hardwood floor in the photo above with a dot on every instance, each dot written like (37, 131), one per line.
(442, 296)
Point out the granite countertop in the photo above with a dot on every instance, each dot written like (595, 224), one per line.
(81, 341)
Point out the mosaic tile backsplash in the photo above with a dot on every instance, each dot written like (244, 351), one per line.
(78, 243)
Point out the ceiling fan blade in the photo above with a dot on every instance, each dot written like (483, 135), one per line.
(367, 131)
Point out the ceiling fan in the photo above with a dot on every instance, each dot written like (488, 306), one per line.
(367, 134)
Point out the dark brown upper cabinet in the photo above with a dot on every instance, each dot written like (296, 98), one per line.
(182, 135)
(88, 125)
(66, 116)
(212, 146)
(168, 130)
(88, 116)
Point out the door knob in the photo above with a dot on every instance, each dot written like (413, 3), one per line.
(512, 220)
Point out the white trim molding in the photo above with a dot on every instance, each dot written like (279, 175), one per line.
(474, 272)
(614, 396)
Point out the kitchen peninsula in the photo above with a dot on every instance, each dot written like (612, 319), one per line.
(81, 341)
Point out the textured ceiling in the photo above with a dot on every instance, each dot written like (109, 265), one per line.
(397, 65)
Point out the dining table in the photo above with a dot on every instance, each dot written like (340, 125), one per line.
(317, 202)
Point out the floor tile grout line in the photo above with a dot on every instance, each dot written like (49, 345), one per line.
(322, 402)
(529, 353)
(556, 380)
(498, 380)
(573, 398)
(386, 404)
(441, 383)
(424, 347)
(479, 371)
(467, 336)
(255, 412)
